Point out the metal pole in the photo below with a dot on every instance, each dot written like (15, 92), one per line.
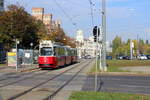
(96, 61)
(100, 57)
(104, 35)
(31, 44)
(16, 56)
(32, 57)
(137, 45)
(131, 50)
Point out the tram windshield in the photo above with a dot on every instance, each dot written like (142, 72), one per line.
(46, 51)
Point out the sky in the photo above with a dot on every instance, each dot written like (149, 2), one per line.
(125, 18)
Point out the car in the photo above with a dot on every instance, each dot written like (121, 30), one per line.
(88, 57)
(142, 57)
(109, 57)
(148, 56)
(124, 58)
(119, 57)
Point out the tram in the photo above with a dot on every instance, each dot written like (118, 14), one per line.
(54, 55)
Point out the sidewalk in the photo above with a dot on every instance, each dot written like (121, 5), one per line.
(20, 68)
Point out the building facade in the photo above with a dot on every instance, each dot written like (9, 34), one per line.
(79, 36)
(79, 43)
(38, 13)
(47, 19)
(1, 5)
(88, 46)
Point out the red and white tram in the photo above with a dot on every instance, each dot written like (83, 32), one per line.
(53, 55)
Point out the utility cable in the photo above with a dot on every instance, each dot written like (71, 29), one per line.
(60, 7)
(91, 8)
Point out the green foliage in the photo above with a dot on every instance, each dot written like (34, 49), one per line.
(123, 48)
(16, 23)
(58, 35)
(117, 46)
(115, 65)
(107, 96)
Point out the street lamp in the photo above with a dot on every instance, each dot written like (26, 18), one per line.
(31, 44)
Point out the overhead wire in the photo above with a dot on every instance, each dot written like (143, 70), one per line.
(92, 15)
(79, 4)
(65, 13)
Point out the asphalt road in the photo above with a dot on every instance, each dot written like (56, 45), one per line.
(41, 83)
(15, 83)
(120, 83)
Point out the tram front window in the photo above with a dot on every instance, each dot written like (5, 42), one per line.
(46, 51)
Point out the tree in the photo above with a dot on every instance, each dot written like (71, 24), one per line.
(117, 44)
(42, 31)
(141, 46)
(58, 35)
(16, 23)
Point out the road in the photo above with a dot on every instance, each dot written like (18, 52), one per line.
(42, 84)
(119, 83)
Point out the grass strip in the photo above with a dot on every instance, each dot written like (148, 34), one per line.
(107, 96)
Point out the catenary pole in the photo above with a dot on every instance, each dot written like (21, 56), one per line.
(16, 55)
(96, 67)
(104, 35)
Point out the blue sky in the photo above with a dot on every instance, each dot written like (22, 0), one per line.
(125, 18)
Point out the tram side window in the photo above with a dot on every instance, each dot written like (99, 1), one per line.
(69, 52)
(46, 51)
(56, 51)
(61, 51)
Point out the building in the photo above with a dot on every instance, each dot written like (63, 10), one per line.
(57, 23)
(38, 13)
(47, 19)
(79, 43)
(79, 36)
(89, 47)
(51, 25)
(1, 5)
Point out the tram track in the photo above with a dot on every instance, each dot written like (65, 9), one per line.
(28, 76)
(10, 75)
(65, 84)
(44, 82)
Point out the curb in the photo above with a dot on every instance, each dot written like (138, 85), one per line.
(120, 74)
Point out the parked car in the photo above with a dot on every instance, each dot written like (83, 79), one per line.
(88, 57)
(142, 57)
(148, 56)
(109, 57)
(123, 58)
(119, 57)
